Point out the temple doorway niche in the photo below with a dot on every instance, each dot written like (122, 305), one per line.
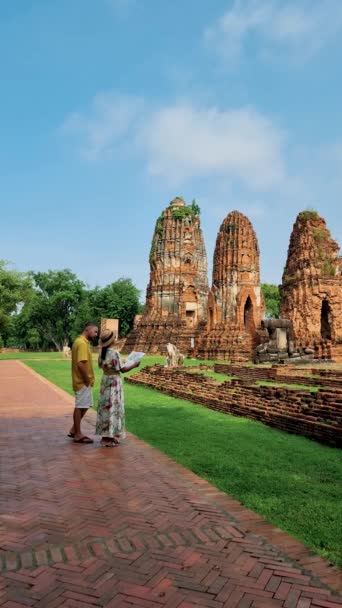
(326, 320)
(190, 318)
(248, 315)
(191, 314)
(211, 319)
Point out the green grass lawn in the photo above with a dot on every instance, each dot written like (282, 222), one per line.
(29, 355)
(293, 482)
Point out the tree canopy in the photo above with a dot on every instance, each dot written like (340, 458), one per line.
(41, 310)
(271, 295)
(119, 300)
(15, 289)
(53, 308)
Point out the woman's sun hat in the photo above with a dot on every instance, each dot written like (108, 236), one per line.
(107, 337)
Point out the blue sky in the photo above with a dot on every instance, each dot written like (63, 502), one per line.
(111, 108)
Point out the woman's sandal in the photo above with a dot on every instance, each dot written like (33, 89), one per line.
(107, 444)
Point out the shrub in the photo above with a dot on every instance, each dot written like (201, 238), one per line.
(188, 211)
(308, 214)
(328, 269)
(320, 234)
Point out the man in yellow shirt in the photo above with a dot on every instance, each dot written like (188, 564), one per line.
(83, 379)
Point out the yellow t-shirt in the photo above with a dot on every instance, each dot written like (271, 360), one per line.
(81, 352)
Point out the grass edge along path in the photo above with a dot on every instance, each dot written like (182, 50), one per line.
(294, 483)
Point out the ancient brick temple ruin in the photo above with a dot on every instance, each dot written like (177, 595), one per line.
(235, 302)
(312, 287)
(295, 410)
(177, 293)
(227, 321)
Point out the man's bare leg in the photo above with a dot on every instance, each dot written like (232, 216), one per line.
(78, 415)
(83, 411)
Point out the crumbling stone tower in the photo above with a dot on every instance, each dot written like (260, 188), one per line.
(177, 293)
(235, 302)
(312, 287)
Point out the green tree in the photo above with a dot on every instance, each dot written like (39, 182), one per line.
(195, 208)
(50, 315)
(119, 300)
(15, 290)
(271, 295)
(59, 304)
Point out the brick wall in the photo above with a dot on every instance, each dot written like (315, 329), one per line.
(284, 374)
(315, 415)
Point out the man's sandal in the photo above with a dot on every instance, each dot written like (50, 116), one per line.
(84, 440)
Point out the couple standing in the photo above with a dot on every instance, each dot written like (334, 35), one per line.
(110, 423)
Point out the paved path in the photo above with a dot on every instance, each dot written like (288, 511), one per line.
(84, 526)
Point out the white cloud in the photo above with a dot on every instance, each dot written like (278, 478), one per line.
(107, 123)
(183, 141)
(294, 29)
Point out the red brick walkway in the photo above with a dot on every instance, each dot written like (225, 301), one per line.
(84, 526)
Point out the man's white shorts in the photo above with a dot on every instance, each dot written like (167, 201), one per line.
(84, 398)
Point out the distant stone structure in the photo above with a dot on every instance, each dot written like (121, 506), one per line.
(311, 288)
(66, 352)
(227, 322)
(177, 293)
(235, 303)
(277, 344)
(174, 357)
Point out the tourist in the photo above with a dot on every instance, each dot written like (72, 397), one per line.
(82, 379)
(110, 423)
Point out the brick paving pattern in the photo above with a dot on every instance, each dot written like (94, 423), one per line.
(84, 526)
